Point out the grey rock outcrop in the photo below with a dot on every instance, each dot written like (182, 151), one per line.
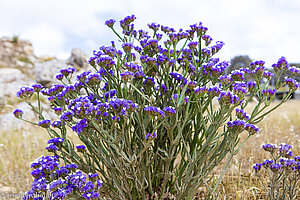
(14, 50)
(78, 58)
(11, 80)
(45, 71)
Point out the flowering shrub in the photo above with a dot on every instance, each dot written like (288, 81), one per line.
(158, 114)
(283, 170)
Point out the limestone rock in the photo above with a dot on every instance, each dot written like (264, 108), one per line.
(11, 80)
(45, 71)
(78, 58)
(13, 50)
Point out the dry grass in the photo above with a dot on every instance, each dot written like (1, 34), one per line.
(18, 149)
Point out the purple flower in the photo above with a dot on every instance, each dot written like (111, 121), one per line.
(236, 126)
(18, 113)
(37, 87)
(59, 76)
(207, 39)
(176, 76)
(127, 47)
(251, 85)
(169, 111)
(225, 99)
(154, 26)
(292, 83)
(275, 167)
(149, 81)
(281, 65)
(25, 92)
(127, 76)
(269, 147)
(80, 126)
(201, 91)
(237, 75)
(154, 111)
(150, 135)
(213, 92)
(110, 23)
(93, 79)
(58, 110)
(269, 92)
(81, 148)
(57, 124)
(294, 71)
(241, 114)
(284, 150)
(257, 167)
(267, 163)
(193, 45)
(251, 128)
(268, 75)
(99, 183)
(258, 72)
(44, 123)
(66, 117)
(51, 148)
(56, 141)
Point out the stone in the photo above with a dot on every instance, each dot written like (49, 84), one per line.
(13, 50)
(11, 80)
(78, 58)
(45, 71)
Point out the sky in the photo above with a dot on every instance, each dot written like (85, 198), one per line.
(262, 29)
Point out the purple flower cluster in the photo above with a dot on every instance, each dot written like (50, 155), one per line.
(110, 23)
(60, 182)
(252, 129)
(241, 114)
(127, 76)
(169, 111)
(292, 83)
(18, 113)
(269, 147)
(281, 65)
(236, 126)
(284, 150)
(269, 92)
(81, 148)
(226, 99)
(80, 126)
(240, 125)
(150, 136)
(154, 111)
(25, 93)
(45, 123)
(282, 161)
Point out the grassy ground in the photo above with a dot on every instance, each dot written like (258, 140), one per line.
(19, 148)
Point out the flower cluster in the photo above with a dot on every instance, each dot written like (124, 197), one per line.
(283, 170)
(157, 89)
(60, 182)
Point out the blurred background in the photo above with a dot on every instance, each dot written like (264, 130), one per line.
(261, 29)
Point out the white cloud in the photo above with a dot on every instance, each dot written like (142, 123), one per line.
(262, 29)
(45, 39)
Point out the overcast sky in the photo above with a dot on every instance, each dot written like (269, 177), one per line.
(262, 29)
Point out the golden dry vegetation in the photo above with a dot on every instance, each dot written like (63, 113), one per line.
(19, 148)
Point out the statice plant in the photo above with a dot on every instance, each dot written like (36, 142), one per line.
(157, 114)
(283, 172)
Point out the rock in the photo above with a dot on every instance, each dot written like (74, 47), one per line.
(13, 50)
(78, 58)
(45, 71)
(11, 80)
